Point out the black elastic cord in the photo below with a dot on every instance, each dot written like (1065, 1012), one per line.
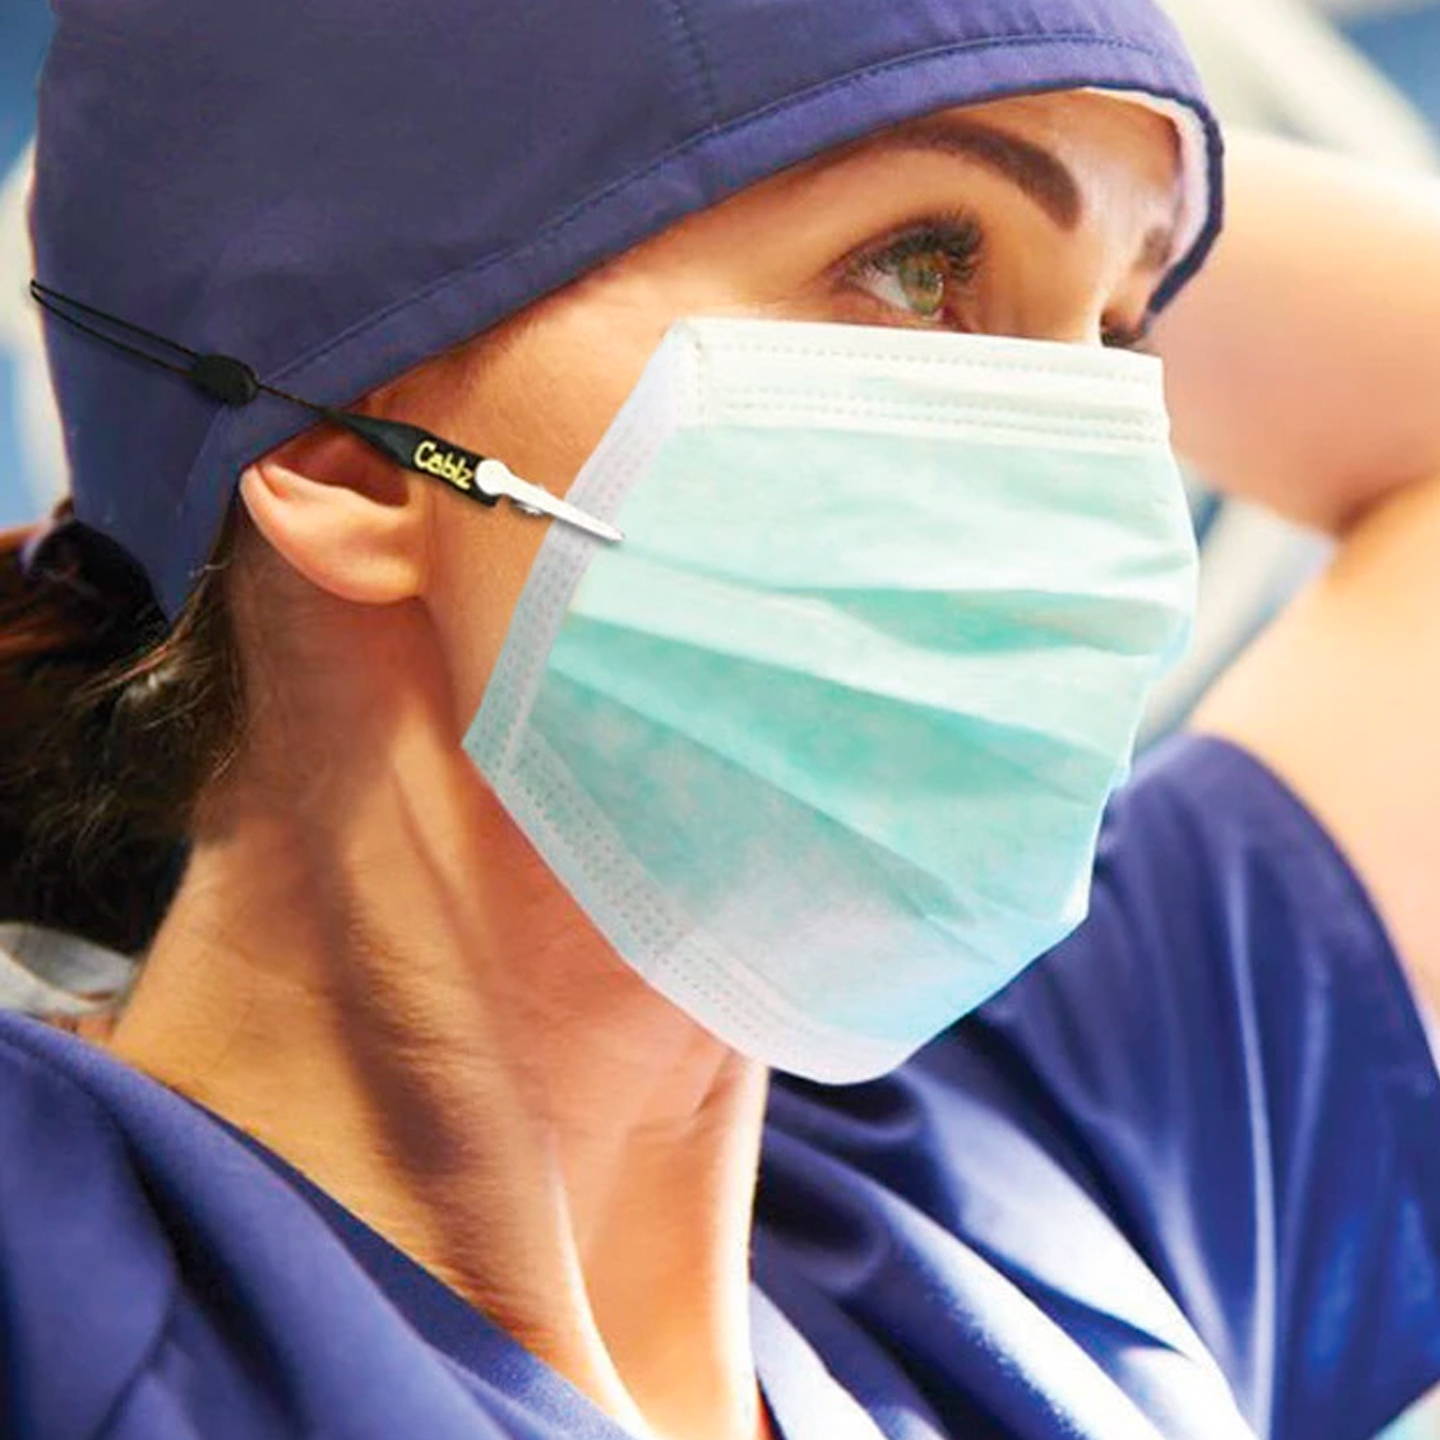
(221, 377)
(53, 299)
(233, 382)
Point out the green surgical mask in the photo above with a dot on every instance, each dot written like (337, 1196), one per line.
(822, 746)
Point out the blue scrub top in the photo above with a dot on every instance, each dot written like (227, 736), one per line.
(1181, 1179)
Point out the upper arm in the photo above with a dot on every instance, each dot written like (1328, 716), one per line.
(1341, 697)
(84, 1281)
(1302, 362)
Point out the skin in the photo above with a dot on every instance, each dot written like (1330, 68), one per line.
(367, 966)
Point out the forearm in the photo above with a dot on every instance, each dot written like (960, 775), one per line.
(1304, 361)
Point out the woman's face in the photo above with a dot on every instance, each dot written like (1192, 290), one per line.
(1049, 217)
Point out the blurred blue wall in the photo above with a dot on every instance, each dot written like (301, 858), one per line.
(1407, 46)
(24, 30)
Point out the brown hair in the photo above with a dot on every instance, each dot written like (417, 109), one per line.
(111, 725)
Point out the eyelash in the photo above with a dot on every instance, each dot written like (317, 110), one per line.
(953, 234)
(960, 238)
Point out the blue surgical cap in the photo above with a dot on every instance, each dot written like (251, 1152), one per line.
(334, 190)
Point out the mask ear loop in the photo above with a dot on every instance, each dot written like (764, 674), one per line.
(233, 382)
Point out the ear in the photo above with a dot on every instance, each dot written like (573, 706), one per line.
(343, 518)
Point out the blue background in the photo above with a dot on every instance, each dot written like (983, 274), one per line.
(24, 30)
(1406, 45)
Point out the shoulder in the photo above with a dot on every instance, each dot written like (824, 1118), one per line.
(159, 1280)
(59, 1133)
(1233, 993)
(1212, 875)
(84, 1268)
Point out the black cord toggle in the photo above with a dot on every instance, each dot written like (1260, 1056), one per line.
(223, 378)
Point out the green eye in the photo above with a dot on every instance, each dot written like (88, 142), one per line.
(927, 270)
(922, 280)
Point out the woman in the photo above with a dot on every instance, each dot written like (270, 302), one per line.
(427, 1114)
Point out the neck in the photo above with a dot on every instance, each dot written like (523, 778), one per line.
(380, 979)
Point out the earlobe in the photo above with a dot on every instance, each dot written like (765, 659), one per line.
(345, 541)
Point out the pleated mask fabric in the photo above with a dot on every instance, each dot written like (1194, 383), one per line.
(822, 748)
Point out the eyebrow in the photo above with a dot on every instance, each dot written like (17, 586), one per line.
(1046, 179)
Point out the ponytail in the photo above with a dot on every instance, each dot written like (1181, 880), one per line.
(111, 725)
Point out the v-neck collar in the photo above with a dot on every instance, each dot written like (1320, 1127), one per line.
(803, 1398)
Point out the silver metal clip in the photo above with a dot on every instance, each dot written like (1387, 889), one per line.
(494, 477)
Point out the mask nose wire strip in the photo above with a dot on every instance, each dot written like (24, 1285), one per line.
(233, 382)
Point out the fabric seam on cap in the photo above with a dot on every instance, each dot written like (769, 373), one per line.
(700, 77)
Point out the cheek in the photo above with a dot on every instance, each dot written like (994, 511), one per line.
(479, 559)
(554, 394)
(540, 398)
(561, 371)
